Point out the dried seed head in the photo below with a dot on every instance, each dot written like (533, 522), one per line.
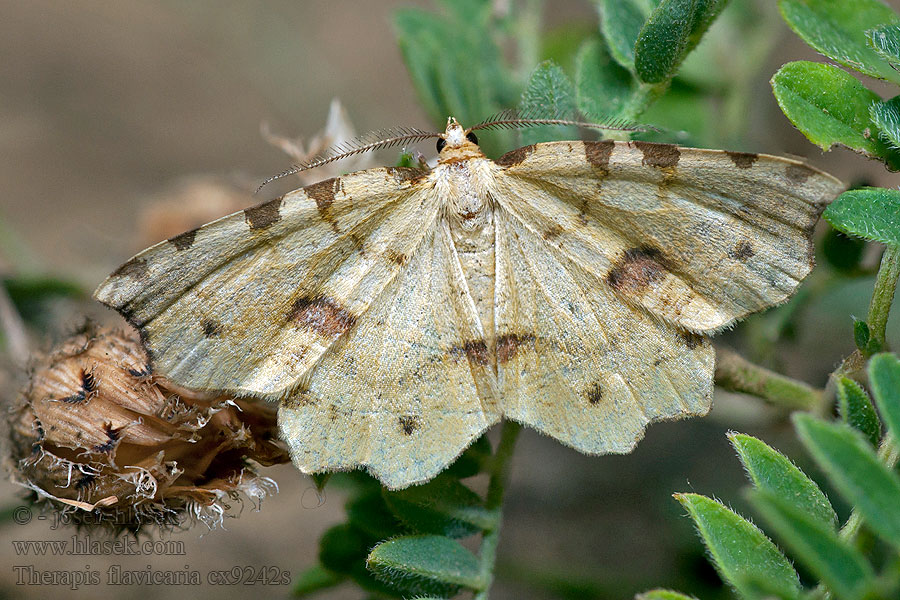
(95, 431)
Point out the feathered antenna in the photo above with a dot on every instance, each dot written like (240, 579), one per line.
(374, 140)
(512, 118)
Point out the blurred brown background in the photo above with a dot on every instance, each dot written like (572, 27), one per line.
(104, 105)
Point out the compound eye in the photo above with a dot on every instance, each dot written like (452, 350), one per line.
(472, 137)
(441, 142)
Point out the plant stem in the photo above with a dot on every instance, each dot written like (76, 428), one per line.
(883, 295)
(736, 374)
(496, 487)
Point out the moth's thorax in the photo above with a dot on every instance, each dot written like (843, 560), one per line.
(464, 187)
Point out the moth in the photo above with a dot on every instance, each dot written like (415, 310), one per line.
(397, 313)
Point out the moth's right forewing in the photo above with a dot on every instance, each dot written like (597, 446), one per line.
(699, 238)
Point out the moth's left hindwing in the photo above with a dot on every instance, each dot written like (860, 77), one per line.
(250, 302)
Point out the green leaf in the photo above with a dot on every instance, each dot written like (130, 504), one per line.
(856, 472)
(603, 88)
(370, 513)
(427, 564)
(830, 106)
(444, 506)
(548, 93)
(472, 461)
(316, 579)
(621, 22)
(320, 480)
(861, 334)
(886, 42)
(837, 29)
(673, 29)
(840, 566)
(886, 116)
(739, 550)
(774, 473)
(663, 595)
(870, 213)
(843, 252)
(342, 550)
(686, 114)
(29, 294)
(857, 411)
(884, 377)
(455, 62)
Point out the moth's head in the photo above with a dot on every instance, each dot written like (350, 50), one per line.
(457, 143)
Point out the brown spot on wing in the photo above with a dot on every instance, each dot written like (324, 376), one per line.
(211, 328)
(742, 160)
(408, 424)
(396, 257)
(797, 174)
(659, 155)
(595, 393)
(598, 153)
(263, 215)
(477, 351)
(742, 251)
(514, 157)
(508, 346)
(323, 193)
(322, 315)
(185, 240)
(136, 268)
(637, 269)
(691, 340)
(553, 231)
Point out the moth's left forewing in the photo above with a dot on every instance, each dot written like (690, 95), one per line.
(249, 303)
(698, 238)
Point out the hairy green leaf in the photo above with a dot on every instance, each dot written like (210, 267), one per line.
(857, 410)
(818, 546)
(830, 107)
(444, 506)
(886, 42)
(774, 473)
(739, 550)
(673, 29)
(602, 86)
(428, 564)
(884, 377)
(856, 472)
(837, 29)
(663, 595)
(886, 116)
(549, 92)
(342, 550)
(621, 22)
(869, 213)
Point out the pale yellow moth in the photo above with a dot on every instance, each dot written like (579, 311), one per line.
(398, 313)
